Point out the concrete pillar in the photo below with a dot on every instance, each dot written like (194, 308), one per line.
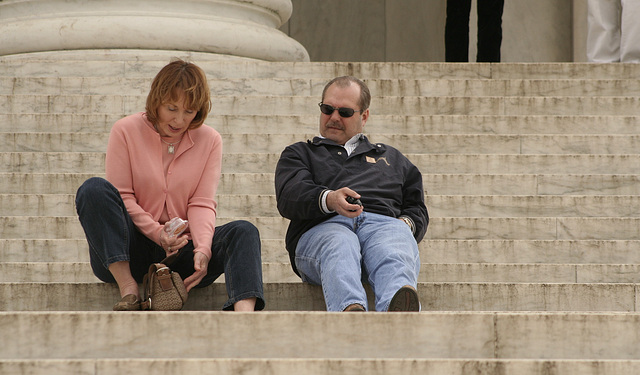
(244, 28)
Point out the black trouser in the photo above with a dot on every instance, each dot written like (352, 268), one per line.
(456, 32)
(112, 237)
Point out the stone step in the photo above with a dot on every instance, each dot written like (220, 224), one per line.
(77, 85)
(533, 206)
(93, 162)
(241, 205)
(44, 250)
(435, 184)
(43, 183)
(573, 251)
(529, 273)
(444, 296)
(552, 265)
(448, 228)
(319, 366)
(26, 65)
(71, 250)
(47, 162)
(377, 124)
(432, 251)
(428, 144)
(530, 184)
(469, 336)
(80, 272)
(298, 105)
(535, 228)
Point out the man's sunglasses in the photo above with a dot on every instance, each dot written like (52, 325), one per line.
(342, 111)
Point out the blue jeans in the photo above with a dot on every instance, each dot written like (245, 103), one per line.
(340, 253)
(113, 237)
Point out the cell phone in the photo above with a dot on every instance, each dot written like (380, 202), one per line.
(353, 200)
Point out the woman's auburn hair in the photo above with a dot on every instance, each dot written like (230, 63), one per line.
(174, 80)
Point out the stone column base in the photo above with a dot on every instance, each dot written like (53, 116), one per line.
(244, 28)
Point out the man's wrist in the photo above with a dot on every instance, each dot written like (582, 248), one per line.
(407, 220)
(323, 202)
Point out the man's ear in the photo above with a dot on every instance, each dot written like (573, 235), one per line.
(365, 117)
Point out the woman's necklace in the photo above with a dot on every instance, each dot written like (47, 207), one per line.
(171, 148)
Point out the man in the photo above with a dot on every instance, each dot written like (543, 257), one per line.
(338, 244)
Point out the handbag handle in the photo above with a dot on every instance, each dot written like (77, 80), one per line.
(171, 258)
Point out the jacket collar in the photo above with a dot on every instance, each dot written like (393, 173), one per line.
(364, 147)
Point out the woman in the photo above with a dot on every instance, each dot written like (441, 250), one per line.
(161, 164)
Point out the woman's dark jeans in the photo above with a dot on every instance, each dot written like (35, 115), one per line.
(113, 237)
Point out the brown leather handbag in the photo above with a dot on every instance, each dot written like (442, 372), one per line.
(164, 289)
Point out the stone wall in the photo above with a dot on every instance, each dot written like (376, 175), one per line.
(330, 30)
(413, 30)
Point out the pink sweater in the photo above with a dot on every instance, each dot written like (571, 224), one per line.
(134, 166)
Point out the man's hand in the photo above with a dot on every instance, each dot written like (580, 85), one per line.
(337, 201)
(200, 264)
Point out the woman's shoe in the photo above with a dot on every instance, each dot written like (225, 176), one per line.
(130, 302)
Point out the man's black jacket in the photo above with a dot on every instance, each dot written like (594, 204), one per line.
(389, 184)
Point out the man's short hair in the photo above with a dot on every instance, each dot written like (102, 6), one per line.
(345, 81)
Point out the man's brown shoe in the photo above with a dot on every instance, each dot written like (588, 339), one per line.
(405, 299)
(355, 307)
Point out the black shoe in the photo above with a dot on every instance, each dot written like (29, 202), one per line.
(405, 299)
(355, 307)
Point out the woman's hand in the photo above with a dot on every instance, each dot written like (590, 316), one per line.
(171, 244)
(200, 265)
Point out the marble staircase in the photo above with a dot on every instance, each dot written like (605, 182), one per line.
(531, 264)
